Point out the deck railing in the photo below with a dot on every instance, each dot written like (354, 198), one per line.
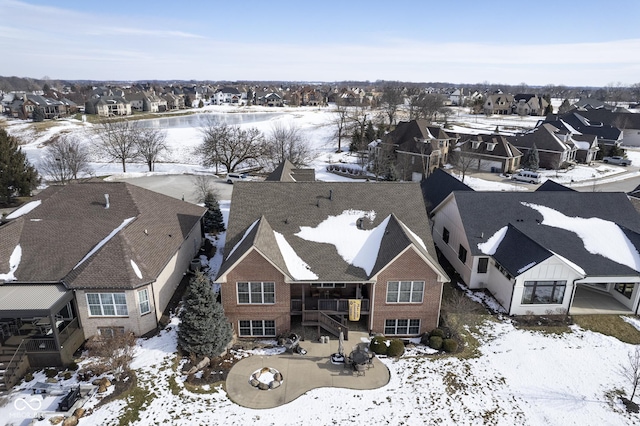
(329, 305)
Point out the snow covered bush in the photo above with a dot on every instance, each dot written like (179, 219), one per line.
(396, 348)
(378, 345)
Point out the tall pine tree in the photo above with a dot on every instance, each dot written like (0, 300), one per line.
(17, 176)
(213, 220)
(204, 330)
(533, 158)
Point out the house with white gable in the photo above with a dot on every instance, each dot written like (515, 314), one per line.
(339, 256)
(542, 252)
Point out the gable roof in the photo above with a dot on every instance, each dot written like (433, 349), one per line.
(484, 214)
(72, 237)
(415, 136)
(437, 186)
(517, 252)
(287, 172)
(393, 211)
(551, 185)
(501, 146)
(545, 137)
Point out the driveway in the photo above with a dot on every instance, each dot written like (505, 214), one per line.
(180, 186)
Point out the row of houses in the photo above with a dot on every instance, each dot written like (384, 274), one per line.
(97, 258)
(416, 148)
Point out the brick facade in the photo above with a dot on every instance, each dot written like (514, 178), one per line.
(254, 267)
(408, 267)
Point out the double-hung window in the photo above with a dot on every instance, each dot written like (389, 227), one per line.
(256, 292)
(405, 291)
(143, 301)
(107, 304)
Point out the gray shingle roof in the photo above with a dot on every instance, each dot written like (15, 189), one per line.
(287, 172)
(287, 206)
(72, 220)
(485, 213)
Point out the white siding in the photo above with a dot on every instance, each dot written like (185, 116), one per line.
(448, 217)
(552, 269)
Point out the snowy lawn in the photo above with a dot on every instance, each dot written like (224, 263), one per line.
(519, 377)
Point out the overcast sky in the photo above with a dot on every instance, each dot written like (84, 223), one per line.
(575, 43)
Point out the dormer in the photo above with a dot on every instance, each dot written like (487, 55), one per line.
(475, 144)
(490, 146)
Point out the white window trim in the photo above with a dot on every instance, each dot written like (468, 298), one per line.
(262, 283)
(396, 326)
(411, 293)
(252, 334)
(141, 301)
(101, 305)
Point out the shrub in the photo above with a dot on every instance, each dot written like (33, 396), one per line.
(378, 345)
(438, 332)
(435, 342)
(449, 345)
(51, 372)
(396, 348)
(66, 375)
(73, 366)
(28, 377)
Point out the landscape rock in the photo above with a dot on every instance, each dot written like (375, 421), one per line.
(70, 421)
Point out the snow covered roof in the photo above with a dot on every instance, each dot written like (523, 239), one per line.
(327, 231)
(598, 231)
(72, 237)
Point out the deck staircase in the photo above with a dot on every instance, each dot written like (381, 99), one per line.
(13, 365)
(324, 321)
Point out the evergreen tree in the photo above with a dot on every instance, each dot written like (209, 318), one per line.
(564, 107)
(200, 104)
(17, 176)
(204, 330)
(370, 132)
(38, 114)
(187, 101)
(356, 141)
(213, 221)
(533, 158)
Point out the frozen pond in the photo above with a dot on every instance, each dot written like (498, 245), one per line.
(198, 120)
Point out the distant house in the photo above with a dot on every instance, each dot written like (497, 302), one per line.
(174, 102)
(147, 102)
(554, 147)
(332, 255)
(627, 122)
(457, 97)
(489, 153)
(269, 99)
(90, 259)
(529, 104)
(417, 148)
(544, 252)
(500, 104)
(576, 122)
(108, 106)
(228, 96)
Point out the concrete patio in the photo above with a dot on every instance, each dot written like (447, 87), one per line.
(587, 301)
(301, 373)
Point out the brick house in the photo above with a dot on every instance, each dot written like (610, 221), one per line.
(309, 252)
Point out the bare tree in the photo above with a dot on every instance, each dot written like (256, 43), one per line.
(117, 141)
(458, 310)
(286, 142)
(203, 185)
(391, 98)
(65, 159)
(230, 146)
(425, 106)
(463, 159)
(631, 371)
(150, 144)
(340, 121)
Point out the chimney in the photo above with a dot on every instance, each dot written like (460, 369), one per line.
(106, 197)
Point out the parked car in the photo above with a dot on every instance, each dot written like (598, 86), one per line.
(526, 176)
(621, 161)
(238, 177)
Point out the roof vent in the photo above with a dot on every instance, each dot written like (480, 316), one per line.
(106, 198)
(331, 194)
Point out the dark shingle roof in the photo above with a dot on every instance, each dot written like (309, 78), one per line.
(483, 214)
(550, 185)
(287, 206)
(517, 252)
(72, 220)
(438, 186)
(287, 172)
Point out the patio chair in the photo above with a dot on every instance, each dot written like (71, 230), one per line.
(370, 363)
(360, 369)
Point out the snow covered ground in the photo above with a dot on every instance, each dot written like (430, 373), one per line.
(518, 377)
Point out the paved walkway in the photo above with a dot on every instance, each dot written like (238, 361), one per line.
(301, 373)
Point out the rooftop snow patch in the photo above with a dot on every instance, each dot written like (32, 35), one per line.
(490, 246)
(358, 247)
(599, 236)
(247, 232)
(297, 267)
(136, 269)
(24, 209)
(14, 262)
(105, 240)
